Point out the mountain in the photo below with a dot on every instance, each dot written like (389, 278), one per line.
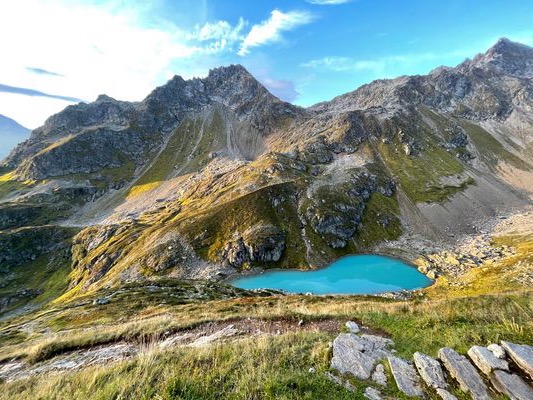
(207, 178)
(11, 134)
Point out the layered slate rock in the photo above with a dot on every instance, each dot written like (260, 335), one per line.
(372, 394)
(445, 395)
(465, 373)
(486, 361)
(379, 375)
(522, 355)
(430, 370)
(406, 377)
(357, 355)
(511, 385)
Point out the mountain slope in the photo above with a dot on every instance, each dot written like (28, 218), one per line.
(209, 177)
(11, 134)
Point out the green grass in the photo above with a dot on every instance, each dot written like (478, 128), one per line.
(186, 150)
(418, 176)
(273, 367)
(378, 208)
(8, 184)
(490, 149)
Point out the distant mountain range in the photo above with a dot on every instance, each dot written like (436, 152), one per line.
(11, 134)
(209, 177)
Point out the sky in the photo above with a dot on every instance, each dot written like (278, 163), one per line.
(59, 52)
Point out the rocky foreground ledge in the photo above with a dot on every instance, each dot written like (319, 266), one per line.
(482, 374)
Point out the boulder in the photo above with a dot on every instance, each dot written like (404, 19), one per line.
(511, 385)
(485, 360)
(465, 373)
(522, 355)
(406, 377)
(430, 370)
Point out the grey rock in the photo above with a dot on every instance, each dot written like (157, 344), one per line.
(379, 375)
(372, 394)
(374, 342)
(511, 385)
(445, 395)
(430, 370)
(352, 327)
(221, 334)
(348, 356)
(465, 373)
(406, 377)
(485, 360)
(522, 355)
(497, 350)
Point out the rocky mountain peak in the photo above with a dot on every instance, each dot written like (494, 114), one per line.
(507, 57)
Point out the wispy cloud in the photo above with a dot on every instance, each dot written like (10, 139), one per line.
(220, 35)
(379, 66)
(41, 71)
(32, 92)
(270, 31)
(328, 2)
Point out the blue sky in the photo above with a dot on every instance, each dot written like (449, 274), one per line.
(304, 51)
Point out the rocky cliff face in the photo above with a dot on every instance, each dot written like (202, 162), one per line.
(212, 176)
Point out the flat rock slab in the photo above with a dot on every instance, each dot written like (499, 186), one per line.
(223, 333)
(357, 355)
(430, 370)
(445, 395)
(372, 394)
(465, 373)
(349, 356)
(485, 360)
(406, 377)
(511, 385)
(522, 355)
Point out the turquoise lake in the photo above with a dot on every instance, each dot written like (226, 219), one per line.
(361, 274)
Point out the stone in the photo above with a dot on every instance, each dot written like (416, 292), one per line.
(430, 370)
(379, 375)
(522, 355)
(406, 377)
(497, 350)
(175, 340)
(223, 333)
(445, 395)
(372, 394)
(352, 327)
(485, 360)
(511, 385)
(348, 356)
(465, 373)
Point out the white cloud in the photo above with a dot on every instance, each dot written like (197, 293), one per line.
(220, 35)
(328, 2)
(380, 66)
(269, 31)
(94, 49)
